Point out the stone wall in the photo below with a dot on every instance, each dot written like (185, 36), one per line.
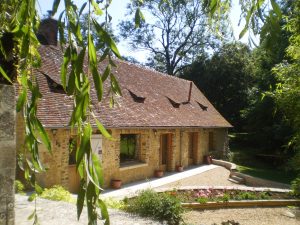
(8, 153)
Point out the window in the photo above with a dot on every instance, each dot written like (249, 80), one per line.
(128, 148)
(72, 150)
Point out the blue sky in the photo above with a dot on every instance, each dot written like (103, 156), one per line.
(118, 9)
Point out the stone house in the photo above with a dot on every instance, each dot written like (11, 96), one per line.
(159, 122)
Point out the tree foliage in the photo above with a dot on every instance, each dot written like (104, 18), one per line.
(174, 32)
(226, 79)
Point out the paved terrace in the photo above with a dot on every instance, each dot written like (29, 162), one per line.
(130, 190)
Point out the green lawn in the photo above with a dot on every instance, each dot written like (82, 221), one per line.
(248, 163)
(269, 174)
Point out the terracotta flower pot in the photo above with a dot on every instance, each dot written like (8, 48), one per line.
(116, 184)
(158, 173)
(207, 159)
(179, 168)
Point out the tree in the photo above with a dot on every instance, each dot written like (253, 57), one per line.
(225, 79)
(20, 20)
(175, 32)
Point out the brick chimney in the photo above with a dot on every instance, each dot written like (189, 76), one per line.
(47, 33)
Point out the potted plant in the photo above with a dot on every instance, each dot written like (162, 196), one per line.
(207, 159)
(179, 168)
(158, 173)
(116, 183)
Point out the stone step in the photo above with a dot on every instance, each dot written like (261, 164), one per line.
(237, 178)
(233, 181)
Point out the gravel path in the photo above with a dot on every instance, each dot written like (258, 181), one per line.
(62, 213)
(245, 216)
(214, 177)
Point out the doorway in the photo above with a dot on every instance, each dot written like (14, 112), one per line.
(165, 152)
(192, 148)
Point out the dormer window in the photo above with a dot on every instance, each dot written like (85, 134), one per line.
(203, 107)
(136, 98)
(174, 104)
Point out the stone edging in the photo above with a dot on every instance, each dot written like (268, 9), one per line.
(232, 204)
(228, 165)
(240, 188)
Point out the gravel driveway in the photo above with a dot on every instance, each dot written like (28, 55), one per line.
(245, 216)
(63, 213)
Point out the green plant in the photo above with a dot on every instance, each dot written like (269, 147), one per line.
(160, 206)
(202, 200)
(246, 196)
(264, 195)
(296, 187)
(19, 187)
(57, 193)
(225, 198)
(115, 204)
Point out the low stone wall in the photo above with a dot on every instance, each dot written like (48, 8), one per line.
(8, 154)
(228, 165)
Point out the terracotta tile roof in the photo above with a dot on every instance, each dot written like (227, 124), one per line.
(150, 98)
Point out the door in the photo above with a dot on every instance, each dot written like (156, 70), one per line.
(165, 151)
(193, 148)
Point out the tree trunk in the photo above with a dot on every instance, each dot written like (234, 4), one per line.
(7, 153)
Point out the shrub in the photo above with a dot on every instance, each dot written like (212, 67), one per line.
(296, 187)
(114, 204)
(57, 193)
(202, 200)
(225, 198)
(19, 187)
(160, 206)
(246, 196)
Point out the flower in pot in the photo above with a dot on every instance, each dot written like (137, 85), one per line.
(116, 183)
(207, 159)
(179, 168)
(158, 173)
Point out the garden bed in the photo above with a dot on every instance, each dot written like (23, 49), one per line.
(225, 195)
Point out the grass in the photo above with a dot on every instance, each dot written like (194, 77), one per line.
(248, 163)
(269, 174)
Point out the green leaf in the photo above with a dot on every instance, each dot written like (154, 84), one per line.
(115, 85)
(106, 73)
(32, 197)
(64, 67)
(82, 8)
(71, 83)
(92, 50)
(243, 32)
(98, 83)
(43, 135)
(85, 145)
(98, 168)
(80, 198)
(107, 38)
(30, 217)
(38, 189)
(101, 128)
(138, 18)
(97, 9)
(104, 211)
(90, 195)
(21, 100)
(5, 75)
(55, 6)
(276, 8)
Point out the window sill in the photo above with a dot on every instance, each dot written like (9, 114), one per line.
(132, 165)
